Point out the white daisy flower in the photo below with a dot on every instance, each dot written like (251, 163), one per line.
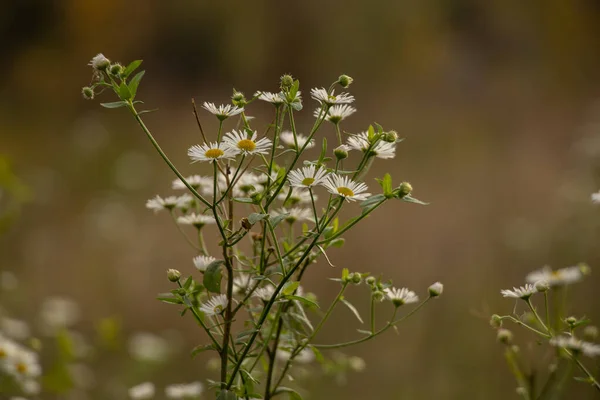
(184, 390)
(524, 292)
(596, 197)
(307, 177)
(158, 203)
(322, 96)
(210, 152)
(59, 312)
(298, 196)
(239, 142)
(287, 138)
(99, 62)
(201, 262)
(215, 306)
(23, 364)
(571, 343)
(148, 347)
(305, 356)
(241, 283)
(245, 186)
(15, 328)
(560, 277)
(222, 112)
(346, 187)
(264, 293)
(294, 214)
(382, 149)
(196, 181)
(274, 98)
(142, 391)
(8, 348)
(401, 296)
(197, 220)
(336, 113)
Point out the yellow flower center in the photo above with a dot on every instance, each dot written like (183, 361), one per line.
(214, 153)
(21, 368)
(246, 145)
(218, 309)
(308, 181)
(344, 191)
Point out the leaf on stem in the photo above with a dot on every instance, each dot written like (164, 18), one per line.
(201, 348)
(255, 217)
(115, 104)
(131, 67)
(353, 309)
(213, 276)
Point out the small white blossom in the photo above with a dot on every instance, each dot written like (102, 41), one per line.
(142, 391)
(238, 142)
(210, 152)
(264, 293)
(184, 390)
(197, 220)
(596, 197)
(362, 143)
(148, 347)
(523, 292)
(59, 312)
(336, 113)
(274, 98)
(571, 343)
(168, 203)
(307, 177)
(401, 296)
(294, 214)
(287, 138)
(559, 277)
(215, 306)
(241, 283)
(245, 185)
(196, 181)
(305, 356)
(23, 364)
(201, 262)
(223, 111)
(346, 187)
(322, 96)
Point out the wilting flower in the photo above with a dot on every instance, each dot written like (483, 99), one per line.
(346, 187)
(560, 277)
(307, 177)
(215, 306)
(197, 220)
(210, 152)
(99, 62)
(201, 262)
(337, 113)
(287, 137)
(361, 141)
(222, 112)
(523, 292)
(401, 296)
(322, 96)
(238, 142)
(142, 391)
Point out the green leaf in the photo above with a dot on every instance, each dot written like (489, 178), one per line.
(115, 104)
(345, 273)
(339, 242)
(243, 200)
(289, 288)
(135, 82)
(124, 92)
(255, 217)
(276, 220)
(131, 67)
(291, 392)
(169, 298)
(212, 276)
(296, 105)
(410, 199)
(227, 395)
(353, 309)
(386, 185)
(188, 283)
(371, 132)
(304, 300)
(199, 349)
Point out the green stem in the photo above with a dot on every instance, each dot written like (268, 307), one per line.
(537, 317)
(200, 321)
(180, 229)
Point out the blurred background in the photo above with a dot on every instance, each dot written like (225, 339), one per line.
(498, 102)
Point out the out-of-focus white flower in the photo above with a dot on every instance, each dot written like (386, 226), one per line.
(337, 113)
(559, 277)
(215, 306)
(222, 112)
(197, 220)
(273, 98)
(201, 262)
(241, 283)
(596, 197)
(23, 364)
(361, 142)
(294, 214)
(523, 292)
(357, 364)
(184, 390)
(304, 357)
(573, 344)
(287, 137)
(264, 293)
(15, 328)
(346, 187)
(322, 96)
(148, 347)
(157, 203)
(196, 181)
(59, 312)
(142, 391)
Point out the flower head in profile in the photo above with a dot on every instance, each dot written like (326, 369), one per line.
(239, 142)
(273, 98)
(142, 391)
(346, 187)
(400, 297)
(196, 181)
(596, 197)
(264, 293)
(215, 306)
(307, 177)
(222, 112)
(197, 220)
(361, 142)
(241, 283)
(201, 262)
(287, 138)
(322, 96)
(210, 152)
(157, 203)
(337, 113)
(559, 277)
(523, 292)
(294, 214)
(297, 196)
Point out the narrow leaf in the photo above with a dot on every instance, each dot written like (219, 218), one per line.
(135, 82)
(131, 67)
(353, 309)
(115, 104)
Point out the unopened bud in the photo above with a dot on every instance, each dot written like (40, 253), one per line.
(590, 333)
(356, 278)
(585, 269)
(504, 336)
(542, 286)
(378, 295)
(238, 99)
(496, 321)
(390, 137)
(173, 275)
(345, 81)
(88, 93)
(116, 69)
(571, 321)
(341, 152)
(405, 189)
(370, 280)
(286, 81)
(436, 289)
(181, 291)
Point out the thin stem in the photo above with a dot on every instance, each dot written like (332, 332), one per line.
(372, 313)
(198, 121)
(200, 321)
(533, 310)
(180, 229)
(523, 324)
(548, 322)
(339, 134)
(272, 359)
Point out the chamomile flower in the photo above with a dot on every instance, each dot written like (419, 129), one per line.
(184, 390)
(559, 277)
(197, 220)
(215, 306)
(245, 186)
(168, 203)
(287, 138)
(264, 293)
(575, 345)
(210, 152)
(361, 142)
(273, 98)
(241, 283)
(238, 142)
(298, 196)
(142, 391)
(222, 112)
(523, 292)
(294, 214)
(322, 96)
(400, 297)
(337, 113)
(346, 187)
(596, 197)
(307, 177)
(201, 262)
(196, 181)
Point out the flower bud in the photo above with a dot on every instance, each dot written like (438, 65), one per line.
(390, 137)
(88, 93)
(356, 278)
(378, 295)
(496, 321)
(345, 81)
(590, 333)
(116, 69)
(571, 321)
(99, 62)
(341, 152)
(173, 275)
(542, 286)
(405, 189)
(370, 280)
(286, 82)
(504, 336)
(436, 289)
(585, 269)
(238, 99)
(181, 291)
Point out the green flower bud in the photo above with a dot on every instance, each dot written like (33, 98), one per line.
(590, 333)
(238, 99)
(173, 275)
(504, 336)
(370, 280)
(181, 291)
(356, 278)
(542, 286)
(116, 69)
(341, 152)
(436, 289)
(571, 321)
(88, 93)
(390, 137)
(496, 321)
(585, 269)
(378, 295)
(345, 81)
(405, 189)
(286, 82)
